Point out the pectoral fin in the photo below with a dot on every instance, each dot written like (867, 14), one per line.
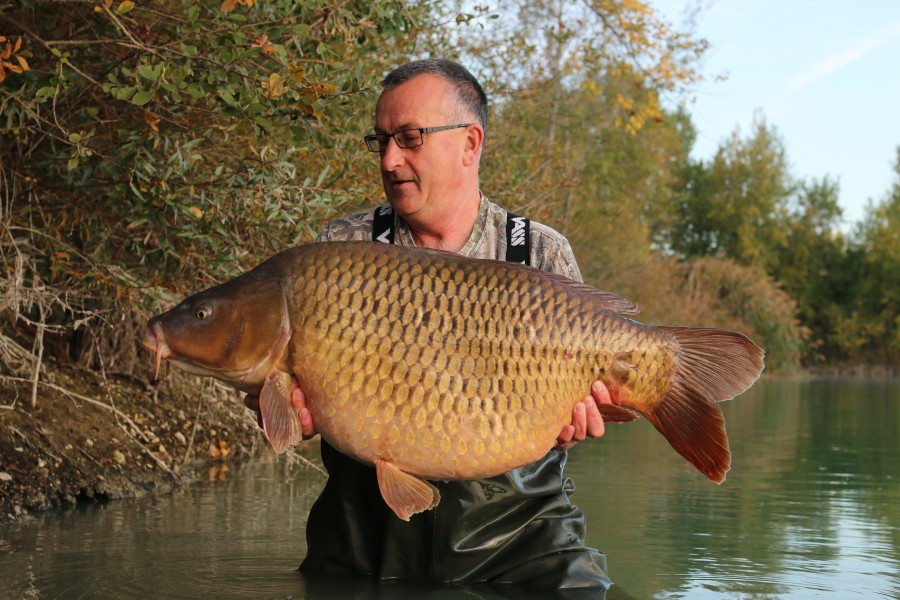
(280, 422)
(614, 414)
(406, 494)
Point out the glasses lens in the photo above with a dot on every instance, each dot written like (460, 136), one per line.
(405, 139)
(409, 138)
(375, 142)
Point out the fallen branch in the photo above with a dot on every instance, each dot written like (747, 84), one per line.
(190, 445)
(310, 464)
(39, 343)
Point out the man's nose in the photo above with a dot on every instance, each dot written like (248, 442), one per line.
(392, 156)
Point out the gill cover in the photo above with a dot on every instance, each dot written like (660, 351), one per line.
(236, 331)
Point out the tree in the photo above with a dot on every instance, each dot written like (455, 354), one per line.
(578, 138)
(878, 299)
(814, 267)
(736, 206)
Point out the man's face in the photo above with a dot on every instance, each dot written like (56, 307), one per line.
(421, 181)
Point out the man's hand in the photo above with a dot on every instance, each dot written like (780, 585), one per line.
(586, 419)
(298, 403)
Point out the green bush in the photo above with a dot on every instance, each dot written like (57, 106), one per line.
(148, 149)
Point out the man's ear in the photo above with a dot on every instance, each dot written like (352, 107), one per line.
(474, 143)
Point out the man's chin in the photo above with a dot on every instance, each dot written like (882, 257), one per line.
(404, 204)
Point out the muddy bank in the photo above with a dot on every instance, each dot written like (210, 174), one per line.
(88, 438)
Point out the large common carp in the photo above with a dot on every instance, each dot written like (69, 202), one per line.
(430, 365)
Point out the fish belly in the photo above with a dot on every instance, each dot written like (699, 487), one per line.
(448, 369)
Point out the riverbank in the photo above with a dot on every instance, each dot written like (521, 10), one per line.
(87, 438)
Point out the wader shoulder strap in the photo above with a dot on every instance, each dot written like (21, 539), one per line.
(518, 240)
(383, 224)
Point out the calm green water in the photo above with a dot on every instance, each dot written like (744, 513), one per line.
(810, 509)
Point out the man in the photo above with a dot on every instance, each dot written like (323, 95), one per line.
(520, 527)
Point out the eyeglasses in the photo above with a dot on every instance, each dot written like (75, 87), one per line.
(408, 138)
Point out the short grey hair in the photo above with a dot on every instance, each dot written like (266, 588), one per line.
(469, 93)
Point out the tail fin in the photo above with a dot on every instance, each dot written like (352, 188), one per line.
(712, 365)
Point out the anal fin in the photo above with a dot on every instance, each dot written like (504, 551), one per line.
(280, 422)
(406, 494)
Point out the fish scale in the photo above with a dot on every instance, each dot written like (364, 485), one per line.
(464, 330)
(430, 365)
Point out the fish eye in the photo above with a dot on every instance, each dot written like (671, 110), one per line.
(203, 311)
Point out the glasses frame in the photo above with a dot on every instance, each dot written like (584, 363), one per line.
(374, 142)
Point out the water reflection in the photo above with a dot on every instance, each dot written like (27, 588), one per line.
(810, 508)
(222, 540)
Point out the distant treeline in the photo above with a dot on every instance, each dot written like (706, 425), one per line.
(150, 148)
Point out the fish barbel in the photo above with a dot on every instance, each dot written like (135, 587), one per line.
(431, 365)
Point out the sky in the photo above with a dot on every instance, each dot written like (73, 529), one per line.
(824, 73)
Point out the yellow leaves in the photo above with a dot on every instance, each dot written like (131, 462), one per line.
(667, 57)
(296, 71)
(219, 451)
(320, 89)
(152, 120)
(230, 5)
(641, 8)
(11, 51)
(274, 86)
(591, 86)
(308, 90)
(637, 116)
(312, 88)
(126, 6)
(195, 212)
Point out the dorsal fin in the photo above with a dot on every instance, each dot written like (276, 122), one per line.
(602, 299)
(608, 300)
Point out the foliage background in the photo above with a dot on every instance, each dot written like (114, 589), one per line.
(149, 149)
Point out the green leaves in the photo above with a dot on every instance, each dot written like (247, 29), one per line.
(172, 148)
(142, 97)
(150, 73)
(226, 95)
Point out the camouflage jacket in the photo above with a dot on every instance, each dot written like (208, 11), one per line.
(550, 251)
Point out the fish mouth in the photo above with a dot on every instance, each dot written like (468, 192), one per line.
(155, 342)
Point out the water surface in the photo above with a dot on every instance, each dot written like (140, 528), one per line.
(810, 509)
